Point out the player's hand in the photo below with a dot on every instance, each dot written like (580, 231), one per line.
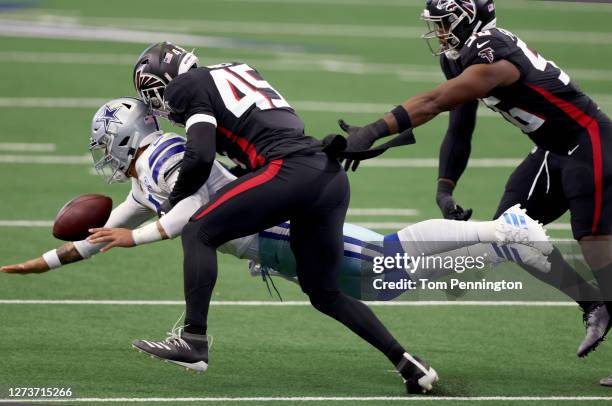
(115, 237)
(449, 207)
(37, 265)
(359, 139)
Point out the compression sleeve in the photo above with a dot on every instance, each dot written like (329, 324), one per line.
(128, 214)
(197, 162)
(457, 145)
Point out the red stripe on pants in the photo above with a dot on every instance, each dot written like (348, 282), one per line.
(590, 124)
(265, 176)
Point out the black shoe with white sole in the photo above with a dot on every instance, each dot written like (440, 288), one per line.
(418, 376)
(184, 349)
(598, 323)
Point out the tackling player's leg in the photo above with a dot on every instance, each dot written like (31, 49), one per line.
(313, 192)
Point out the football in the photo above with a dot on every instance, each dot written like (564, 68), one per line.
(79, 215)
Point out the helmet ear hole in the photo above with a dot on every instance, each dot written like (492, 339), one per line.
(123, 142)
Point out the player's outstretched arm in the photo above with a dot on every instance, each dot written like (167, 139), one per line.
(128, 214)
(474, 83)
(66, 254)
(168, 226)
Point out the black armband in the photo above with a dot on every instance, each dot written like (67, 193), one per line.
(402, 118)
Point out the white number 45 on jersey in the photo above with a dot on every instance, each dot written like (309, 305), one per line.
(240, 88)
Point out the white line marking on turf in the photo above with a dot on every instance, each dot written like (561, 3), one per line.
(285, 63)
(383, 212)
(323, 399)
(392, 225)
(258, 303)
(26, 147)
(26, 223)
(9, 27)
(122, 29)
(46, 159)
(373, 163)
(301, 105)
(433, 163)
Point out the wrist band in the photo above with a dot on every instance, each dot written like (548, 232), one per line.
(402, 118)
(445, 187)
(52, 259)
(146, 234)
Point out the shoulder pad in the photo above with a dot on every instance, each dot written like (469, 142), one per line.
(488, 47)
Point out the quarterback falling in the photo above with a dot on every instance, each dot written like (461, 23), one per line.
(127, 145)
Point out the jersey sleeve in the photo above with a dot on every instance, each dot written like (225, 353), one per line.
(487, 47)
(189, 98)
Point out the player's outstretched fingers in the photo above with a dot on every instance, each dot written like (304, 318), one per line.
(17, 268)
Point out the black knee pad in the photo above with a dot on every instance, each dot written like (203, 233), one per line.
(323, 300)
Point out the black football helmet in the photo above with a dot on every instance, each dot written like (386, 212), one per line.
(452, 22)
(155, 68)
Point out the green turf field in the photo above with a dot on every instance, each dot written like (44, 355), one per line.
(350, 59)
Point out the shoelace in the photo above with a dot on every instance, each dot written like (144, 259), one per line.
(174, 335)
(265, 275)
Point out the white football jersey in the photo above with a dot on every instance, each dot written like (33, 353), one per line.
(157, 169)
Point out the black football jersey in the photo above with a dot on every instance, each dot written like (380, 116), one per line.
(545, 103)
(255, 124)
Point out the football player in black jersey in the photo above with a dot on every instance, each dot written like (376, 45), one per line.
(230, 109)
(571, 167)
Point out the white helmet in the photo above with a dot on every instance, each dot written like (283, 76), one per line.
(118, 129)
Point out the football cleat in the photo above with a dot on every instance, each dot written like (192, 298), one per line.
(597, 322)
(606, 381)
(417, 375)
(180, 348)
(515, 226)
(520, 254)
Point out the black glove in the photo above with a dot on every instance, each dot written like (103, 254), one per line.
(362, 138)
(164, 208)
(450, 209)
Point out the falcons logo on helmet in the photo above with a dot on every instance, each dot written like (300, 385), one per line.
(146, 81)
(468, 6)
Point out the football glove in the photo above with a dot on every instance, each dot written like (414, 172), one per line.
(361, 138)
(450, 209)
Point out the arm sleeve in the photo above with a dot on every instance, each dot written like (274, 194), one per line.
(457, 144)
(129, 214)
(197, 162)
(174, 221)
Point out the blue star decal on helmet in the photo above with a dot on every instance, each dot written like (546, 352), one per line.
(109, 116)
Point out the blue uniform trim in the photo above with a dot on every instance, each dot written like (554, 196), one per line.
(177, 149)
(283, 237)
(159, 149)
(155, 202)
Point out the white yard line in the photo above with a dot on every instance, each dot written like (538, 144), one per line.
(46, 159)
(320, 399)
(26, 223)
(129, 33)
(605, 100)
(433, 163)
(258, 303)
(392, 225)
(383, 212)
(124, 29)
(26, 147)
(285, 63)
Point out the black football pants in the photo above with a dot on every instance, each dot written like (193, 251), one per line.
(312, 192)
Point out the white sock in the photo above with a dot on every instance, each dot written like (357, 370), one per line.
(436, 236)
